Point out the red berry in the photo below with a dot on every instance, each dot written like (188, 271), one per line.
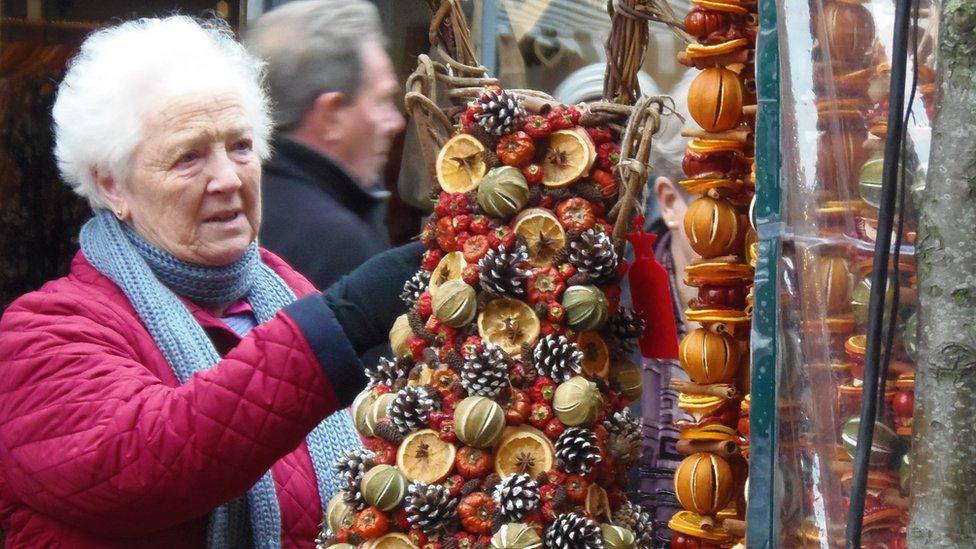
(555, 312)
(543, 388)
(479, 224)
(400, 518)
(547, 492)
(461, 222)
(554, 428)
(430, 259)
(608, 156)
(453, 484)
(549, 512)
(532, 173)
(555, 476)
(470, 275)
(576, 487)
(560, 118)
(600, 134)
(537, 126)
(416, 346)
(475, 248)
(447, 432)
(540, 415)
(903, 404)
(547, 202)
(425, 305)
(448, 402)
(471, 346)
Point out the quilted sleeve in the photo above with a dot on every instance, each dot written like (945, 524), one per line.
(89, 435)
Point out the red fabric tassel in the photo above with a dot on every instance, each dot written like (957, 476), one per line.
(651, 294)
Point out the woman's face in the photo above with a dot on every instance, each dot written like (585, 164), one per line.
(194, 189)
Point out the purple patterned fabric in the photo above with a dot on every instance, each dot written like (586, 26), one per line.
(658, 410)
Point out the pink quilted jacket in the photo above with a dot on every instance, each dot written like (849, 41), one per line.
(101, 447)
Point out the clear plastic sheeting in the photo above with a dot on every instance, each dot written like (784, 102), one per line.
(834, 80)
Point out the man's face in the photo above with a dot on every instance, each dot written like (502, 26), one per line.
(370, 120)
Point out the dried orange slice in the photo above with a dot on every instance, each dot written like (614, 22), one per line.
(597, 503)
(508, 323)
(448, 268)
(570, 155)
(461, 164)
(543, 234)
(391, 541)
(424, 457)
(596, 356)
(523, 450)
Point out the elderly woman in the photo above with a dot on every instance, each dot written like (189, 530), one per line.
(178, 387)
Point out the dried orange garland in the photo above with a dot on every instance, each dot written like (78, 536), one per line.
(720, 167)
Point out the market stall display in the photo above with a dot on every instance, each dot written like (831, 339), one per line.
(719, 165)
(502, 420)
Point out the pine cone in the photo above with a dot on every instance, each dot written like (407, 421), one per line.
(593, 254)
(577, 450)
(470, 486)
(410, 408)
(430, 507)
(354, 498)
(501, 112)
(626, 325)
(572, 531)
(387, 372)
(489, 140)
(351, 466)
(325, 538)
(624, 437)
(588, 191)
(516, 496)
(414, 287)
(501, 270)
(385, 430)
(486, 373)
(489, 483)
(557, 357)
(638, 521)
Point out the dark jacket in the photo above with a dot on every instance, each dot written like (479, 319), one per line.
(316, 216)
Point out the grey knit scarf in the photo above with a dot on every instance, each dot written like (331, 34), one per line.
(151, 279)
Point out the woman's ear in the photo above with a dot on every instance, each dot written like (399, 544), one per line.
(111, 191)
(670, 201)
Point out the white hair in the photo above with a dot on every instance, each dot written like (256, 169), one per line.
(122, 73)
(668, 147)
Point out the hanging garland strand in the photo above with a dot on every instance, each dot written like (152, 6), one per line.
(627, 44)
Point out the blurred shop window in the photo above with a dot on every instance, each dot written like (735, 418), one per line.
(544, 44)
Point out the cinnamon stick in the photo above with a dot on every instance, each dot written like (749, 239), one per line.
(724, 448)
(742, 135)
(720, 390)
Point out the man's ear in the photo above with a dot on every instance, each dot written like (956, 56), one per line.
(325, 113)
(111, 191)
(667, 200)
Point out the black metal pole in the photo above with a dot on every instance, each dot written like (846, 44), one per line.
(879, 272)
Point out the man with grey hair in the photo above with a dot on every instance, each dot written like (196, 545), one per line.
(332, 87)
